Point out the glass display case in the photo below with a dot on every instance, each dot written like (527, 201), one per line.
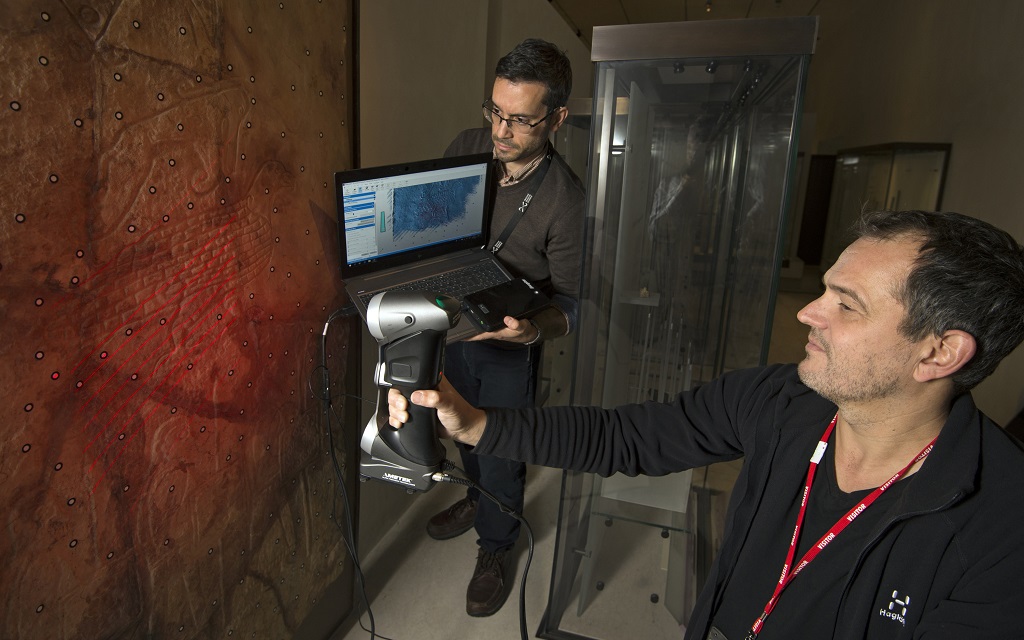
(899, 176)
(691, 148)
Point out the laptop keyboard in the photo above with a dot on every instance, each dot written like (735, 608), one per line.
(456, 283)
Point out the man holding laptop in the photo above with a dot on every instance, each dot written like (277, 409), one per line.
(537, 234)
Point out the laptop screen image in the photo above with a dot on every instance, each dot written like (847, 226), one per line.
(395, 215)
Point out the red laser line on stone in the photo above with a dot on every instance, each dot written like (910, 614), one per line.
(197, 292)
(143, 385)
(141, 404)
(158, 403)
(184, 288)
(194, 257)
(125, 381)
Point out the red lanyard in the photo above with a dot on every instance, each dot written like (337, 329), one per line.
(829, 536)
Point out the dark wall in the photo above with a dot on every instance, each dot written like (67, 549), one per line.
(167, 172)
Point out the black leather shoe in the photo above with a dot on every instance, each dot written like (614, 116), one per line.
(490, 585)
(453, 521)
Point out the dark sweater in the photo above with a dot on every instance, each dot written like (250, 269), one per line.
(953, 543)
(546, 245)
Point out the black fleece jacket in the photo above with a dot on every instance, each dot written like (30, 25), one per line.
(953, 542)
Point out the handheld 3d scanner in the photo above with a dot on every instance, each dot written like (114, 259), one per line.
(410, 328)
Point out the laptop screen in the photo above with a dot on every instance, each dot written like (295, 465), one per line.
(395, 215)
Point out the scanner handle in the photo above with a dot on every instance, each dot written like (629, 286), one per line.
(411, 363)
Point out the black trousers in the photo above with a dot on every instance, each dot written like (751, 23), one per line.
(489, 376)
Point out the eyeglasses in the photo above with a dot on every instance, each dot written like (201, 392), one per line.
(517, 124)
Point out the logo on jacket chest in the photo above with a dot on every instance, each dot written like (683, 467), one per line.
(897, 610)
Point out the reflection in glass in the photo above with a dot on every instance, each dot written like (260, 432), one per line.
(899, 176)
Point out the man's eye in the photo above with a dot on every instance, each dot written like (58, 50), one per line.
(844, 306)
(521, 120)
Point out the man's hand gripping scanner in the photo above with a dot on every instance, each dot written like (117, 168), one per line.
(410, 328)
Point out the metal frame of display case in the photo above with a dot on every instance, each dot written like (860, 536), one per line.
(673, 295)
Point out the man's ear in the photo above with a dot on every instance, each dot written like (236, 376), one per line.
(559, 118)
(945, 355)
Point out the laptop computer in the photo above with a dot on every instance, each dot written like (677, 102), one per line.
(418, 226)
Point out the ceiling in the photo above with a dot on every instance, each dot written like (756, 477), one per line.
(584, 15)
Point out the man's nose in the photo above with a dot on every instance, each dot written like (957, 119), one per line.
(811, 314)
(502, 129)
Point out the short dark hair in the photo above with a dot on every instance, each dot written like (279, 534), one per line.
(539, 61)
(968, 276)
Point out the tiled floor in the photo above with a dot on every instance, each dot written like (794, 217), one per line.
(417, 585)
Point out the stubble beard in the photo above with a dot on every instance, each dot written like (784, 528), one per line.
(519, 151)
(842, 384)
